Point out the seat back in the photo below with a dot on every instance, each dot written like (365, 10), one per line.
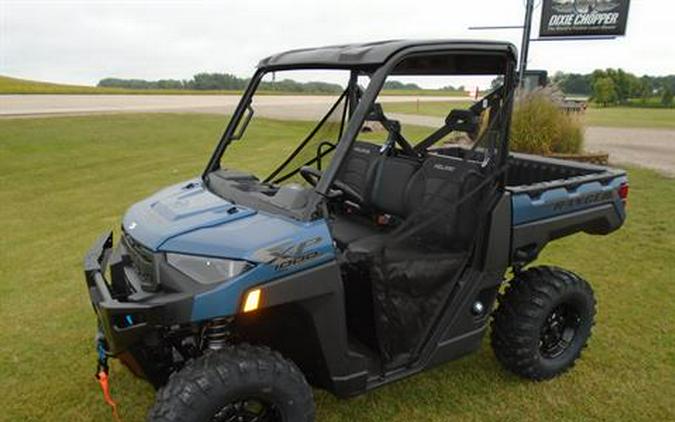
(435, 189)
(403, 187)
(354, 171)
(388, 184)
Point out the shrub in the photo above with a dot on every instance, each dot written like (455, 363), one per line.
(540, 126)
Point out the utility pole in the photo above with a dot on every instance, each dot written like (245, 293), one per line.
(525, 45)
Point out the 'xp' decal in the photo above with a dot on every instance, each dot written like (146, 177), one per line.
(289, 253)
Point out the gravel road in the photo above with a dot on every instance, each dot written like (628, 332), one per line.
(651, 148)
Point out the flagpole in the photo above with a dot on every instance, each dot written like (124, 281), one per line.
(525, 45)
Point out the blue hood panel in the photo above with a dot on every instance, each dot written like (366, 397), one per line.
(236, 239)
(188, 219)
(176, 210)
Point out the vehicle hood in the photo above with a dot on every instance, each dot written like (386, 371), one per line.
(177, 210)
(187, 218)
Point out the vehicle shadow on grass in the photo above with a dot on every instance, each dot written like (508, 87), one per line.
(451, 391)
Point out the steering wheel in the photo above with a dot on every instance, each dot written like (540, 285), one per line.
(312, 176)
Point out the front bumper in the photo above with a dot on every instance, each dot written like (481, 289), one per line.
(126, 313)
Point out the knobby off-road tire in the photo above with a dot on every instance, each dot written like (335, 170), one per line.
(543, 322)
(255, 381)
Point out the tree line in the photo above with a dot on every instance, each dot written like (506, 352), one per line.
(398, 85)
(616, 86)
(220, 81)
(227, 81)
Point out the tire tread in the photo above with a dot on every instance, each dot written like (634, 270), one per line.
(515, 324)
(201, 378)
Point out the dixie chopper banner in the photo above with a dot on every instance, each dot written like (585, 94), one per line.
(560, 18)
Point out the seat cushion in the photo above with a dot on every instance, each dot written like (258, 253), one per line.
(347, 229)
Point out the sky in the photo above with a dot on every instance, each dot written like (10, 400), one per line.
(81, 42)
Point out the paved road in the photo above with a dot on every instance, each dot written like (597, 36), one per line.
(652, 148)
(279, 106)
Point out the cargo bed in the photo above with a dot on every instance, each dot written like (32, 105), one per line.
(552, 198)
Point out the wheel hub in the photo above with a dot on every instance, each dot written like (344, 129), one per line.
(248, 410)
(558, 331)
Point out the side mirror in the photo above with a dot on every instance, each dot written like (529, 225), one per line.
(243, 123)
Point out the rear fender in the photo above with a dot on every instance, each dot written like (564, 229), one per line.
(593, 208)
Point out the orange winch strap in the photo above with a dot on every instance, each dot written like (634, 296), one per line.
(102, 378)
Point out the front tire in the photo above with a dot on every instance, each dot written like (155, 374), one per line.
(239, 383)
(543, 322)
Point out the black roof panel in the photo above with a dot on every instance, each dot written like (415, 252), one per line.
(374, 53)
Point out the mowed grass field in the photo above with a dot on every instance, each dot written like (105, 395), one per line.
(63, 181)
(662, 118)
(25, 86)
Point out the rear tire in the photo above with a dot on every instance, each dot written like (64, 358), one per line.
(239, 383)
(543, 322)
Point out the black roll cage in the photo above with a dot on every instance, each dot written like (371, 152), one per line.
(358, 114)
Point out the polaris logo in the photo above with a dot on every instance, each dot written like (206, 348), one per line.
(444, 167)
(362, 150)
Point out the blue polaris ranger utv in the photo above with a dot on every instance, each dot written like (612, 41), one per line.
(352, 262)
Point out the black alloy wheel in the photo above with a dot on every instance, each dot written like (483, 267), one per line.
(543, 322)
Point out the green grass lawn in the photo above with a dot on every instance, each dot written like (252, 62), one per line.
(662, 118)
(425, 108)
(63, 181)
(423, 92)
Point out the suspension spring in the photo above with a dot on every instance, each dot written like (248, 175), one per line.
(217, 333)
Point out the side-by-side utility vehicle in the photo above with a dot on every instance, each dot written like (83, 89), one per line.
(353, 262)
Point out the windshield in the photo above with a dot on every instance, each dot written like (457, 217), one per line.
(279, 152)
(295, 119)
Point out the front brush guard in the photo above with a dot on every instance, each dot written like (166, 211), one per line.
(126, 315)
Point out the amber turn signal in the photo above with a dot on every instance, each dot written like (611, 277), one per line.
(252, 300)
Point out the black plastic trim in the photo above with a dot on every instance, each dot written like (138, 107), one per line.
(530, 238)
(581, 173)
(154, 312)
(319, 292)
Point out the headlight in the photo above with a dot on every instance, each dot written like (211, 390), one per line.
(207, 270)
